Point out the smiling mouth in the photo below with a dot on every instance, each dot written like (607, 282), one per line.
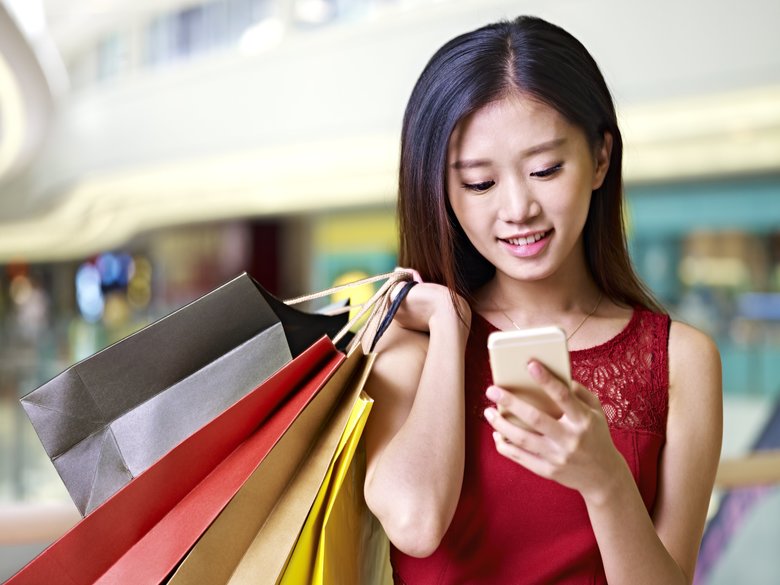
(527, 240)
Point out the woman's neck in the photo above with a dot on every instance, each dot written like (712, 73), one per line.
(530, 303)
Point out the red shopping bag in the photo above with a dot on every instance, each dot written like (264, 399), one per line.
(95, 544)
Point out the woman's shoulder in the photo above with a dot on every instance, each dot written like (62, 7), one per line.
(396, 340)
(399, 361)
(689, 344)
(694, 362)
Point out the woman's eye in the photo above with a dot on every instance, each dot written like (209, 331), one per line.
(548, 172)
(479, 187)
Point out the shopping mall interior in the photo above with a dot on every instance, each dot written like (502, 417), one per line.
(151, 150)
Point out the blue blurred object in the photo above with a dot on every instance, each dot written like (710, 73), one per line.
(759, 306)
(110, 269)
(89, 294)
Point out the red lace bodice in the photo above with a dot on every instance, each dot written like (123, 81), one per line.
(512, 526)
(630, 374)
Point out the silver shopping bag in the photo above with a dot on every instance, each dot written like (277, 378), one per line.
(108, 418)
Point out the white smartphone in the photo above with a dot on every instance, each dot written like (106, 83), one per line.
(510, 352)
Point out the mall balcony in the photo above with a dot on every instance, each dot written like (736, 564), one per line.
(152, 150)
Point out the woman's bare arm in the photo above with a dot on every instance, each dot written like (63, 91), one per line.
(415, 434)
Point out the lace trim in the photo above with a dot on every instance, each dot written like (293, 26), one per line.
(629, 373)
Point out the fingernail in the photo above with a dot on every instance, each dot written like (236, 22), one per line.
(497, 436)
(490, 414)
(493, 393)
(535, 369)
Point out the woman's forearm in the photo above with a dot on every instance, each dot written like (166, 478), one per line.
(631, 550)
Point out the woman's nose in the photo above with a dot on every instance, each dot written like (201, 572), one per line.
(518, 204)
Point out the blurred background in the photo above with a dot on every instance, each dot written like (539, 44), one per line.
(150, 150)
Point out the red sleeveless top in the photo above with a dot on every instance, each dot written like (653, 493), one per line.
(514, 527)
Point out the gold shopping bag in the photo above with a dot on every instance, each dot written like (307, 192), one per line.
(328, 526)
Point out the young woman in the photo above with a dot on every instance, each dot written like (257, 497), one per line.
(511, 214)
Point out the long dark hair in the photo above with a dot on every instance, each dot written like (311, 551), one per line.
(537, 58)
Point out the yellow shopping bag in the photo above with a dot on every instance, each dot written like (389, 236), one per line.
(341, 543)
(356, 550)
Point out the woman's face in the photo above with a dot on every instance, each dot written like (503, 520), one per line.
(519, 179)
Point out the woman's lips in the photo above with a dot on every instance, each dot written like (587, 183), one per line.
(527, 250)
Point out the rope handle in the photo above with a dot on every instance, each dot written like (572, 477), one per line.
(335, 289)
(376, 304)
(374, 307)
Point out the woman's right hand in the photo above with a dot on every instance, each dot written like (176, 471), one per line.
(428, 304)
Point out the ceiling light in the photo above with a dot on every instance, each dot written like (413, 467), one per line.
(264, 35)
(314, 11)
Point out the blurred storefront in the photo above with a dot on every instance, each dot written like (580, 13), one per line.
(711, 252)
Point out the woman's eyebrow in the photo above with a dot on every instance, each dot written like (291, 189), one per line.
(470, 164)
(542, 147)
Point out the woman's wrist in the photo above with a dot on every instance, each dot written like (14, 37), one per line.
(608, 491)
(452, 320)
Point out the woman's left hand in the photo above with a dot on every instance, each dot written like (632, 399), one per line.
(575, 450)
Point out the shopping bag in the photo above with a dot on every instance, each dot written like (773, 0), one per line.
(307, 560)
(264, 518)
(342, 542)
(108, 418)
(354, 547)
(101, 539)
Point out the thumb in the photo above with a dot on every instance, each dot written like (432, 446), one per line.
(586, 396)
(415, 275)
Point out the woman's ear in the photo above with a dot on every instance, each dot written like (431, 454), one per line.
(603, 154)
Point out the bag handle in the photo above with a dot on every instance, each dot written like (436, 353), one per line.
(354, 284)
(375, 304)
(391, 311)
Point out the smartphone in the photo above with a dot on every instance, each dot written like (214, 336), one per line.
(510, 352)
